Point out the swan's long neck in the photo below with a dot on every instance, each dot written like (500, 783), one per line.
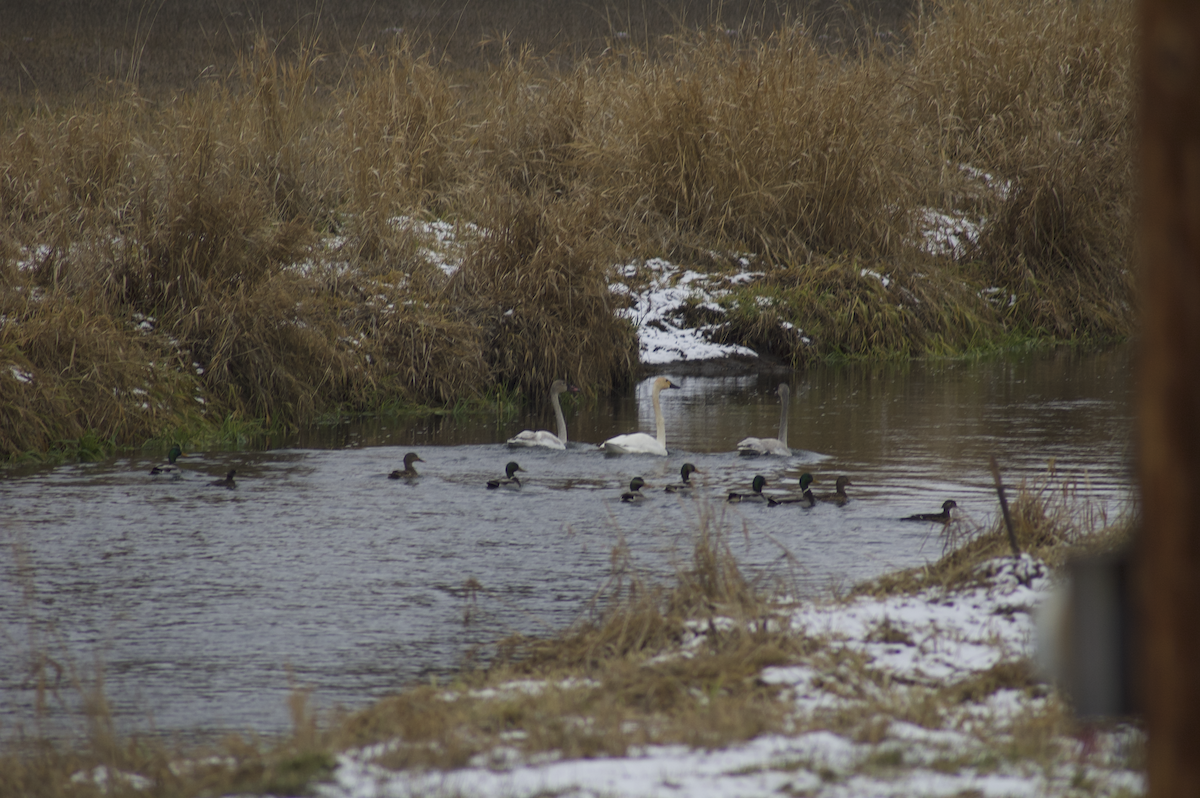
(660, 426)
(558, 414)
(784, 396)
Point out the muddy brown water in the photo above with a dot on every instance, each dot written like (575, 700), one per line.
(202, 607)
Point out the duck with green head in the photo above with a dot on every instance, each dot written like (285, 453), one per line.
(510, 480)
(683, 485)
(757, 485)
(634, 494)
(805, 499)
(169, 467)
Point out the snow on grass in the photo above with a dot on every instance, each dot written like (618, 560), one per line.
(657, 312)
(444, 244)
(907, 644)
(948, 233)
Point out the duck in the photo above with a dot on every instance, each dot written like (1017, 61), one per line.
(409, 471)
(510, 480)
(683, 485)
(634, 494)
(838, 496)
(542, 437)
(169, 467)
(776, 446)
(806, 495)
(227, 482)
(942, 518)
(756, 485)
(640, 442)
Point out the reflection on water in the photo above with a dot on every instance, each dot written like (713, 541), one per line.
(203, 606)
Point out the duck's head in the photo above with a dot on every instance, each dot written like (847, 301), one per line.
(759, 483)
(229, 476)
(412, 457)
(949, 505)
(842, 482)
(806, 479)
(176, 451)
(636, 484)
(512, 468)
(686, 470)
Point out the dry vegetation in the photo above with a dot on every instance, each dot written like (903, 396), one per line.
(177, 251)
(613, 682)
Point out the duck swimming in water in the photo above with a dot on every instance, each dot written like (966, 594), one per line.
(942, 518)
(510, 480)
(169, 467)
(409, 471)
(683, 485)
(777, 446)
(805, 499)
(838, 496)
(634, 494)
(757, 485)
(227, 482)
(640, 442)
(543, 437)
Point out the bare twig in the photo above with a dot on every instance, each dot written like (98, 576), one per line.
(1008, 524)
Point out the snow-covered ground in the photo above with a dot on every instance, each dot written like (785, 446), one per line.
(665, 337)
(911, 645)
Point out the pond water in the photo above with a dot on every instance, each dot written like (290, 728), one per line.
(201, 607)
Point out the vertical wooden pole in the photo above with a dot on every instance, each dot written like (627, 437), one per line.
(1169, 393)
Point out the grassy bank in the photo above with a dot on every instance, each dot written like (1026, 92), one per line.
(695, 662)
(283, 239)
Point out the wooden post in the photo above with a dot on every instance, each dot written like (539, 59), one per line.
(1169, 393)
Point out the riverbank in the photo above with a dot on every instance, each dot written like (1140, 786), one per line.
(263, 248)
(919, 683)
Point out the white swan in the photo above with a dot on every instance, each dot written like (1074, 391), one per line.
(640, 442)
(778, 445)
(545, 437)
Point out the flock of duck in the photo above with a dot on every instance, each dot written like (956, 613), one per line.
(640, 443)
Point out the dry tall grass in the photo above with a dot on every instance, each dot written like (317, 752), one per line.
(264, 221)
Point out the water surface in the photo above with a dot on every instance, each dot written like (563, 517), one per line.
(203, 607)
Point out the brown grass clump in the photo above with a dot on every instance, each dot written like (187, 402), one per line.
(538, 290)
(1051, 123)
(772, 146)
